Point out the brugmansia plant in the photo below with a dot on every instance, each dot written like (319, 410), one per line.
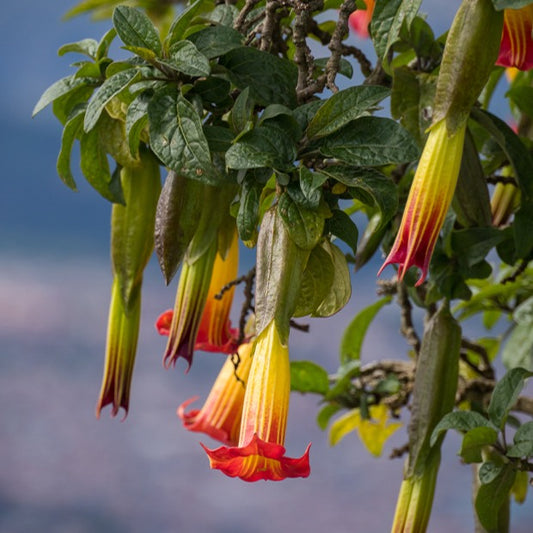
(251, 112)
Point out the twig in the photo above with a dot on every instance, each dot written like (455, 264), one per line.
(519, 270)
(241, 24)
(486, 370)
(407, 328)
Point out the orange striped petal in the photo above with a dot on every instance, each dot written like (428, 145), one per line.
(516, 49)
(220, 416)
(428, 202)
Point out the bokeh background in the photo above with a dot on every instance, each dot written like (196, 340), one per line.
(61, 469)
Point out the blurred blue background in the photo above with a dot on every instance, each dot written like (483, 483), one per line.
(61, 470)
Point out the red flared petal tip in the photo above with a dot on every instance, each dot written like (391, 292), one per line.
(162, 324)
(258, 460)
(188, 418)
(358, 22)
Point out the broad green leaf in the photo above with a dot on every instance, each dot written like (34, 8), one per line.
(95, 167)
(325, 414)
(344, 106)
(241, 112)
(183, 21)
(373, 431)
(304, 225)
(523, 441)
(515, 150)
(215, 41)
(136, 29)
(61, 88)
(369, 186)
(271, 79)
(354, 334)
(473, 244)
(185, 57)
(523, 229)
(511, 4)
(109, 89)
(523, 314)
(218, 138)
(305, 113)
(474, 441)
(307, 376)
(248, 214)
(264, 146)
(518, 348)
(489, 471)
(371, 141)
(492, 495)
(71, 131)
(214, 93)
(463, 421)
(345, 67)
(505, 395)
(86, 47)
(341, 289)
(223, 14)
(343, 227)
(310, 185)
(136, 121)
(387, 21)
(177, 137)
(317, 281)
(522, 96)
(105, 43)
(67, 105)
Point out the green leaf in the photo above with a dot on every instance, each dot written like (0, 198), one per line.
(177, 137)
(492, 495)
(61, 88)
(518, 348)
(523, 442)
(522, 96)
(371, 141)
(489, 471)
(224, 14)
(310, 185)
(136, 29)
(215, 41)
(463, 421)
(183, 21)
(354, 334)
(95, 167)
(473, 244)
(325, 414)
(186, 58)
(369, 186)
(86, 47)
(241, 112)
(248, 215)
(474, 441)
(341, 288)
(523, 229)
(136, 121)
(387, 21)
(218, 138)
(109, 89)
(515, 150)
(214, 93)
(264, 146)
(307, 376)
(505, 395)
(178, 212)
(511, 4)
(105, 43)
(345, 67)
(70, 133)
(317, 281)
(344, 106)
(271, 79)
(304, 225)
(343, 227)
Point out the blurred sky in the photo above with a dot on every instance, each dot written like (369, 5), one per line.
(61, 470)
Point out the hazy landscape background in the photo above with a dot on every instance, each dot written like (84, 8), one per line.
(61, 470)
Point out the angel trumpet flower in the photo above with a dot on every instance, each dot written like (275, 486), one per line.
(220, 416)
(360, 19)
(260, 452)
(428, 202)
(516, 49)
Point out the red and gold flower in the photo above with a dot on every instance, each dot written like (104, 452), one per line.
(428, 201)
(360, 19)
(260, 453)
(220, 417)
(516, 49)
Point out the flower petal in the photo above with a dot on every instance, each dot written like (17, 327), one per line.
(516, 49)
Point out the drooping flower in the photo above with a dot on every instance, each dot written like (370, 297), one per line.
(360, 19)
(516, 48)
(428, 201)
(213, 333)
(260, 453)
(220, 416)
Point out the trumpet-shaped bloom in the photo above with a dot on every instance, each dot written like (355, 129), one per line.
(214, 332)
(220, 417)
(260, 453)
(360, 19)
(122, 336)
(428, 201)
(516, 48)
(504, 202)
